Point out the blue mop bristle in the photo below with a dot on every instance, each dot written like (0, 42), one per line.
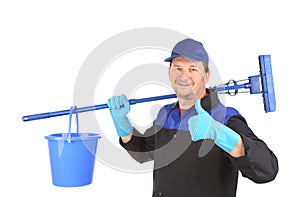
(267, 83)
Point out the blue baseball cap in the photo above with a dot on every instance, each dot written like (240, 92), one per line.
(190, 49)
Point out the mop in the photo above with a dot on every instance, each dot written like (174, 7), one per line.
(257, 84)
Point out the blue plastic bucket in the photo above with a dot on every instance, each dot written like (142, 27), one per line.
(72, 156)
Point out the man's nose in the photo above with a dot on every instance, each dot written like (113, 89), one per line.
(186, 73)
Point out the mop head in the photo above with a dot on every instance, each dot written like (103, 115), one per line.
(267, 83)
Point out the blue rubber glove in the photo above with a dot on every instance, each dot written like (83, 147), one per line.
(203, 126)
(119, 107)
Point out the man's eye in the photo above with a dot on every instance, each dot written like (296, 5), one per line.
(193, 69)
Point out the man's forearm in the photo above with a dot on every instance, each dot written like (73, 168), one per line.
(126, 139)
(239, 149)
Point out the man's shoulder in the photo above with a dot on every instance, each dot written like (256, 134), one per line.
(223, 113)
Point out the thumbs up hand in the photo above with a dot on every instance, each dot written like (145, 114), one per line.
(203, 126)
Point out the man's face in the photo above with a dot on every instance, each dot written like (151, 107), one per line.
(188, 78)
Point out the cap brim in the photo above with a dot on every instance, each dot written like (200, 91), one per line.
(169, 59)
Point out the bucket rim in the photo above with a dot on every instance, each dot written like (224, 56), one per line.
(74, 136)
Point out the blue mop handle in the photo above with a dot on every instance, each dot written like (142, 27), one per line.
(91, 108)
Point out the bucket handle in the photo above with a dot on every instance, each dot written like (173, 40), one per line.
(72, 111)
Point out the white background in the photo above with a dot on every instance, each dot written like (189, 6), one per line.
(43, 45)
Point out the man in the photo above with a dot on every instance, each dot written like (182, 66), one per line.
(198, 145)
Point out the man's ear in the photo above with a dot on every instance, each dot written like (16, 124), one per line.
(206, 77)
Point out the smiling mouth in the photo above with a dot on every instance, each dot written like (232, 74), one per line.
(184, 84)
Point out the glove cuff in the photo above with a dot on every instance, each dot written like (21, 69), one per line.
(124, 130)
(227, 139)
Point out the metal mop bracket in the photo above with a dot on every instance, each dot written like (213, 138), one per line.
(258, 84)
